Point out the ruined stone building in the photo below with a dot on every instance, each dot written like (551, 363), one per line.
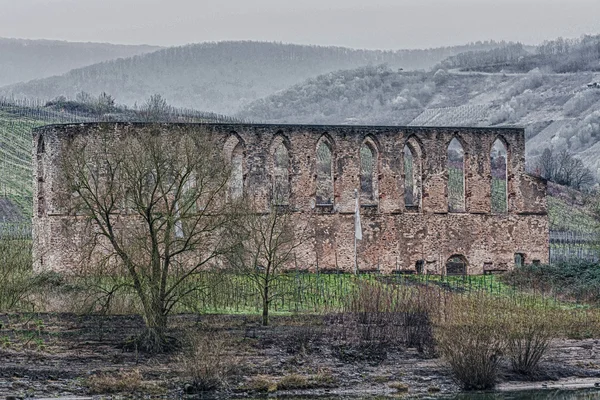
(436, 200)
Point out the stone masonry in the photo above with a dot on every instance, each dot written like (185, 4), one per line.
(398, 234)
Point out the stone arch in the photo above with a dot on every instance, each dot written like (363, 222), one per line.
(233, 140)
(234, 151)
(413, 172)
(457, 264)
(455, 168)
(369, 171)
(280, 169)
(499, 176)
(324, 159)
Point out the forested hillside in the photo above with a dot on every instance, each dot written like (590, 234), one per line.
(224, 76)
(558, 110)
(560, 55)
(23, 60)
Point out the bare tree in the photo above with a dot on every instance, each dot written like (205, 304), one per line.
(564, 169)
(155, 108)
(153, 208)
(105, 103)
(266, 243)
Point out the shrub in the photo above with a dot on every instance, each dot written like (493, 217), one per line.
(17, 279)
(377, 316)
(577, 280)
(207, 362)
(529, 335)
(473, 353)
(303, 339)
(472, 340)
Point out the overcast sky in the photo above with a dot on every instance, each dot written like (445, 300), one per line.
(389, 24)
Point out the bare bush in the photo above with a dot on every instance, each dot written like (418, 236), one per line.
(17, 279)
(472, 341)
(207, 363)
(377, 316)
(529, 336)
(473, 353)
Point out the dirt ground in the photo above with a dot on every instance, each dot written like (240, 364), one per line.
(49, 355)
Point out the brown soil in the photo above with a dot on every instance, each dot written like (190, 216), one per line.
(48, 355)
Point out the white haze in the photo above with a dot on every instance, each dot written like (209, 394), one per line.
(389, 24)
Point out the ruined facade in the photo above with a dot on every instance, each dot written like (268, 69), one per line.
(433, 200)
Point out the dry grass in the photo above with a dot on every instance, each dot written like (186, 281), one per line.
(260, 384)
(293, 382)
(399, 387)
(116, 382)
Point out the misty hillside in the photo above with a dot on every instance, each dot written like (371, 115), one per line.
(222, 77)
(558, 110)
(560, 55)
(22, 60)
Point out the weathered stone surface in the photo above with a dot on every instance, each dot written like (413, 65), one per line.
(396, 236)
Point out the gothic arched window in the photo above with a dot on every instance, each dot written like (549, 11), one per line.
(368, 173)
(281, 173)
(456, 177)
(499, 189)
(413, 159)
(324, 172)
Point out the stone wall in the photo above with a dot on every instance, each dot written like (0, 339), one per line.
(396, 236)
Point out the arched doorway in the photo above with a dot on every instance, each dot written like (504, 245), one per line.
(456, 265)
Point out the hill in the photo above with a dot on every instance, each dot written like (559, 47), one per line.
(23, 60)
(560, 55)
(222, 77)
(558, 110)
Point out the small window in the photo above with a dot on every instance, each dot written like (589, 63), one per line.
(420, 266)
(519, 260)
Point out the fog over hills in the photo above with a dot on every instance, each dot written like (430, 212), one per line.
(222, 77)
(23, 60)
(552, 89)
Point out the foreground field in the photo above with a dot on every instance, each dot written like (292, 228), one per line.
(62, 354)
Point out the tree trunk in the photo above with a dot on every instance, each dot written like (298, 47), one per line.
(154, 339)
(265, 313)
